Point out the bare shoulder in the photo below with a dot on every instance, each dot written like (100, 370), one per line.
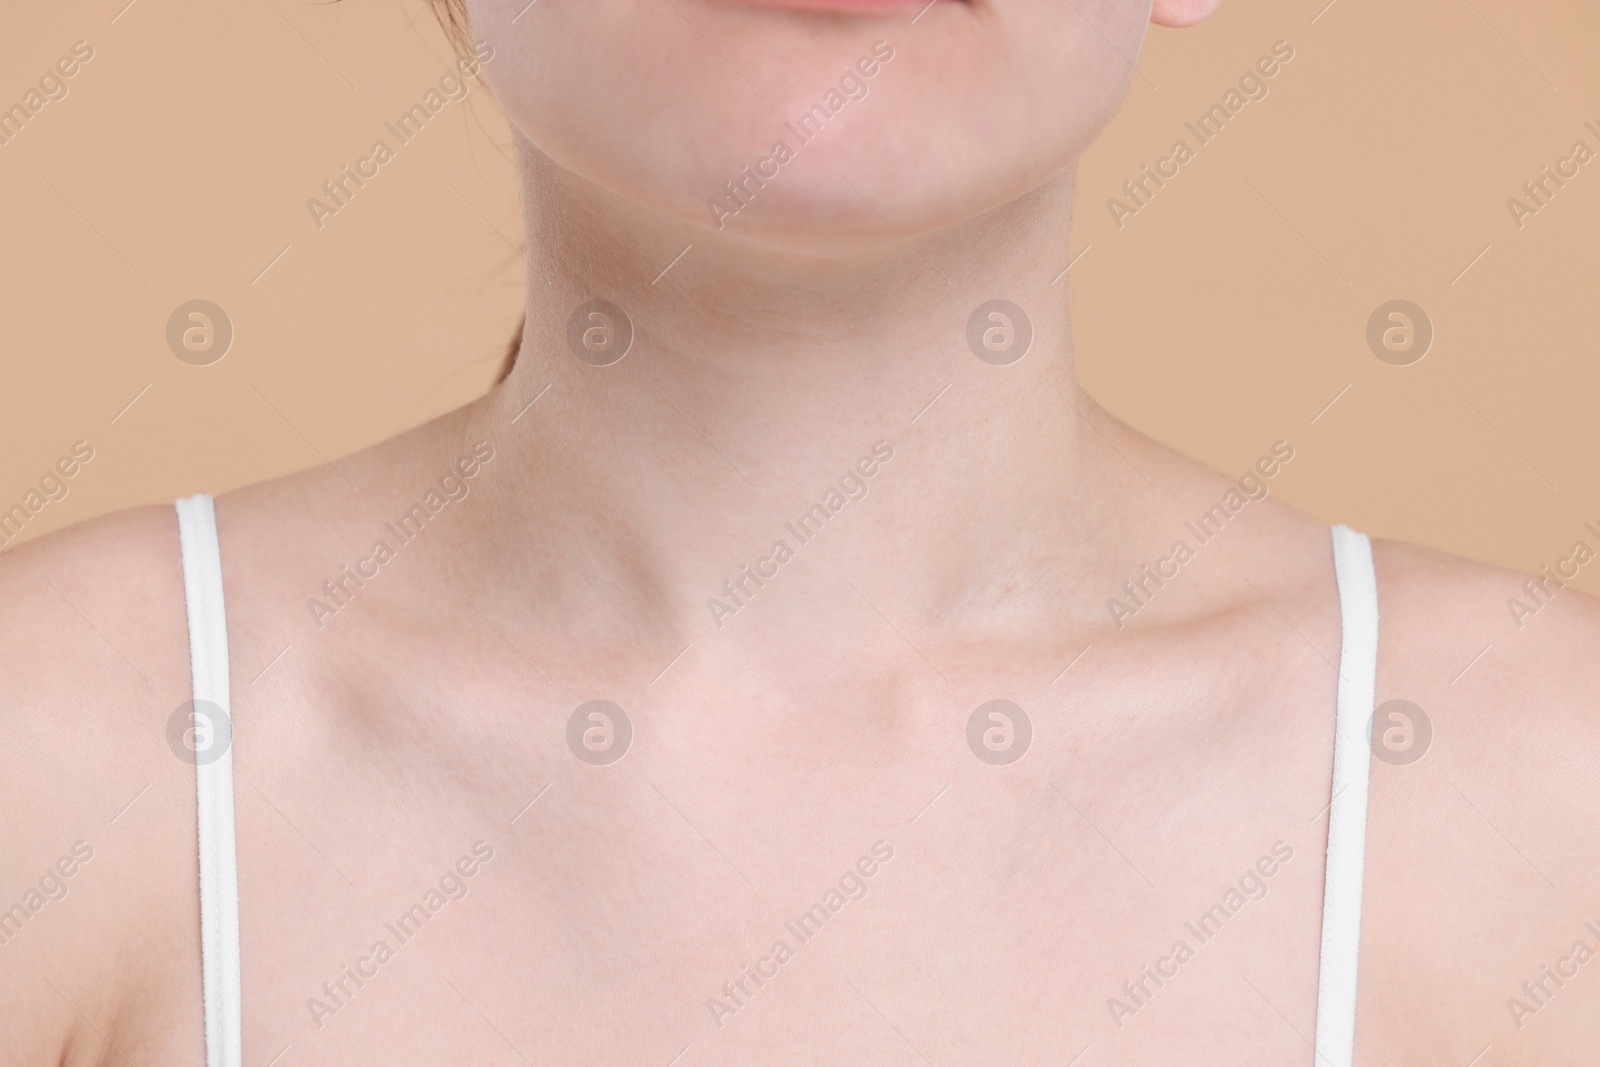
(1483, 876)
(98, 833)
(1520, 615)
(1507, 659)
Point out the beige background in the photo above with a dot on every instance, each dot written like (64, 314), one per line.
(1225, 315)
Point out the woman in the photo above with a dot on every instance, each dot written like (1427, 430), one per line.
(788, 662)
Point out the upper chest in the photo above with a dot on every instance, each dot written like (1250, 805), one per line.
(879, 877)
(476, 871)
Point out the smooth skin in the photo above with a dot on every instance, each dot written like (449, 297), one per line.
(373, 747)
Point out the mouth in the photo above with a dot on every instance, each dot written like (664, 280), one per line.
(863, 7)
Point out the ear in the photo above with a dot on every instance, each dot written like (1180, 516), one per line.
(1177, 13)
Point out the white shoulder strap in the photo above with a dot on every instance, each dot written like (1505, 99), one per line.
(1347, 813)
(213, 759)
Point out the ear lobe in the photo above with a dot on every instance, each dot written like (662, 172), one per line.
(1179, 13)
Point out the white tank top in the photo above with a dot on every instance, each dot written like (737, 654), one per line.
(1347, 814)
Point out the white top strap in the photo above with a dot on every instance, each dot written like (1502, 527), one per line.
(213, 759)
(1347, 812)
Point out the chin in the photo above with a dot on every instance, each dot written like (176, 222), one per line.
(810, 124)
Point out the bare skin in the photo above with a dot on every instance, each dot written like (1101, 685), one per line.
(375, 746)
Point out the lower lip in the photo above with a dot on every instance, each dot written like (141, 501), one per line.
(849, 6)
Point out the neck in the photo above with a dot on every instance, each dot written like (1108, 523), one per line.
(759, 379)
